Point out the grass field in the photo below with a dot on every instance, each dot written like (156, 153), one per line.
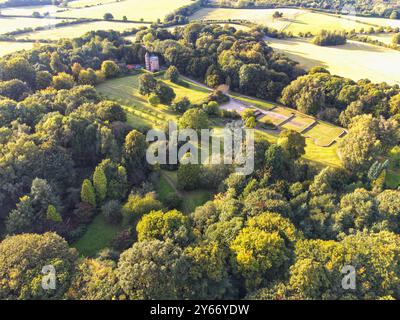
(85, 3)
(259, 16)
(10, 47)
(133, 9)
(191, 199)
(28, 10)
(293, 20)
(141, 113)
(8, 24)
(382, 37)
(353, 60)
(125, 91)
(323, 134)
(97, 237)
(78, 30)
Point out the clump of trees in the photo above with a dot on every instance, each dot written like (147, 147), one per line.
(329, 38)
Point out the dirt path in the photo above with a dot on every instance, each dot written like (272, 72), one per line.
(171, 183)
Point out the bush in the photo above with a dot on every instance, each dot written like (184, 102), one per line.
(173, 201)
(111, 211)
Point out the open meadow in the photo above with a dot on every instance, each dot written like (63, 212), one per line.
(125, 91)
(8, 24)
(10, 47)
(353, 60)
(132, 9)
(141, 114)
(293, 20)
(74, 31)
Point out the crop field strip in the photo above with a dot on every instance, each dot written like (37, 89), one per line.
(354, 60)
(294, 20)
(73, 31)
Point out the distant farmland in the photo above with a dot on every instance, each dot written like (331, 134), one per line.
(8, 24)
(10, 47)
(354, 60)
(294, 20)
(132, 9)
(78, 30)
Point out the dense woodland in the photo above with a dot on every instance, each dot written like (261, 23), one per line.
(283, 232)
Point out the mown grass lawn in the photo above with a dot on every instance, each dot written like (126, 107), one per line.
(98, 236)
(191, 199)
(323, 134)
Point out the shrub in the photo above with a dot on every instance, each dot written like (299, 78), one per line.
(111, 211)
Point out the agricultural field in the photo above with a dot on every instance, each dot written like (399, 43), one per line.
(353, 60)
(78, 30)
(259, 16)
(29, 10)
(10, 47)
(8, 24)
(293, 20)
(382, 37)
(376, 21)
(132, 9)
(87, 3)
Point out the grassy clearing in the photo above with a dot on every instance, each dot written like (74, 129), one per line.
(293, 20)
(322, 156)
(259, 16)
(132, 9)
(191, 199)
(323, 134)
(125, 91)
(78, 30)
(353, 60)
(10, 47)
(393, 174)
(298, 123)
(382, 37)
(97, 237)
(140, 113)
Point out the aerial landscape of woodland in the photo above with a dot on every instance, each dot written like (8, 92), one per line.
(313, 89)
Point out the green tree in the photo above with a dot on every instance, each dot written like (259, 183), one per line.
(194, 119)
(172, 74)
(137, 206)
(100, 184)
(52, 214)
(62, 81)
(165, 93)
(147, 84)
(134, 155)
(143, 270)
(110, 69)
(293, 143)
(158, 225)
(108, 16)
(87, 193)
(263, 249)
(22, 259)
(94, 279)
